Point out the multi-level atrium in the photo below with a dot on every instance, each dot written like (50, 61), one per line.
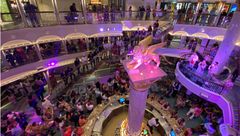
(120, 68)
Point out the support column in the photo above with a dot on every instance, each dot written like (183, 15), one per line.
(84, 10)
(46, 76)
(196, 12)
(37, 48)
(231, 38)
(22, 14)
(136, 110)
(64, 43)
(218, 13)
(56, 12)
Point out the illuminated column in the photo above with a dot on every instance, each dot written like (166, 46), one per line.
(56, 12)
(196, 12)
(64, 43)
(142, 75)
(231, 39)
(218, 13)
(46, 76)
(21, 11)
(84, 10)
(136, 110)
(37, 48)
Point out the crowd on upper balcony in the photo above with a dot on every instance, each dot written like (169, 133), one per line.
(201, 64)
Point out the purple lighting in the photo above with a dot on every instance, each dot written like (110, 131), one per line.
(52, 64)
(101, 29)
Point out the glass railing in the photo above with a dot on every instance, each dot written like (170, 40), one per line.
(48, 18)
(202, 80)
(11, 21)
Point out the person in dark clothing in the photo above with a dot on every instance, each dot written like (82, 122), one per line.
(235, 74)
(77, 65)
(32, 101)
(73, 8)
(156, 25)
(31, 10)
(75, 118)
(10, 58)
(73, 13)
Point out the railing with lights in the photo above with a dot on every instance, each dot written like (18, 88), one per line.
(202, 81)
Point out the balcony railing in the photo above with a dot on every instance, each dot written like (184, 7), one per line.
(203, 81)
(47, 18)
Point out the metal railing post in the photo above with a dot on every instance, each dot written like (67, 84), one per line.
(56, 12)
(22, 13)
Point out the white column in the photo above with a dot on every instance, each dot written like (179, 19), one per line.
(196, 12)
(136, 110)
(46, 76)
(22, 13)
(64, 43)
(56, 12)
(37, 48)
(232, 36)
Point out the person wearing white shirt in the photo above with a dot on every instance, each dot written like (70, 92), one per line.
(153, 122)
(89, 107)
(80, 108)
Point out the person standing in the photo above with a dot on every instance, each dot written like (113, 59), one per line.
(77, 65)
(153, 122)
(31, 10)
(130, 12)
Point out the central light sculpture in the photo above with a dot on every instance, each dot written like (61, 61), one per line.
(143, 70)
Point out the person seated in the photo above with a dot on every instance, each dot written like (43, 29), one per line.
(161, 101)
(82, 120)
(89, 106)
(181, 122)
(194, 112)
(48, 115)
(173, 113)
(153, 122)
(180, 102)
(80, 107)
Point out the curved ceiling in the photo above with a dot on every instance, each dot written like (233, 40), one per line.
(15, 43)
(76, 36)
(48, 38)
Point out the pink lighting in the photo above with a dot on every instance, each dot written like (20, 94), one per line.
(52, 64)
(141, 74)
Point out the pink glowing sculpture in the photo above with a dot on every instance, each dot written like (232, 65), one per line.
(144, 55)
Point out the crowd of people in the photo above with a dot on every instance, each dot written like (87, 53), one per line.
(197, 108)
(20, 56)
(67, 114)
(204, 16)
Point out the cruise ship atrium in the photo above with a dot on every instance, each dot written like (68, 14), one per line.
(120, 67)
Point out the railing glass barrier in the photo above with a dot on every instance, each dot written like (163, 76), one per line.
(47, 18)
(202, 80)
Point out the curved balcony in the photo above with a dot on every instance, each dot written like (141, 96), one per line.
(206, 89)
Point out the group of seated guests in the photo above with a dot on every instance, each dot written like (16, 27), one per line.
(65, 114)
(209, 113)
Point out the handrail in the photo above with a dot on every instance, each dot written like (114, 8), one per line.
(47, 18)
(200, 80)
